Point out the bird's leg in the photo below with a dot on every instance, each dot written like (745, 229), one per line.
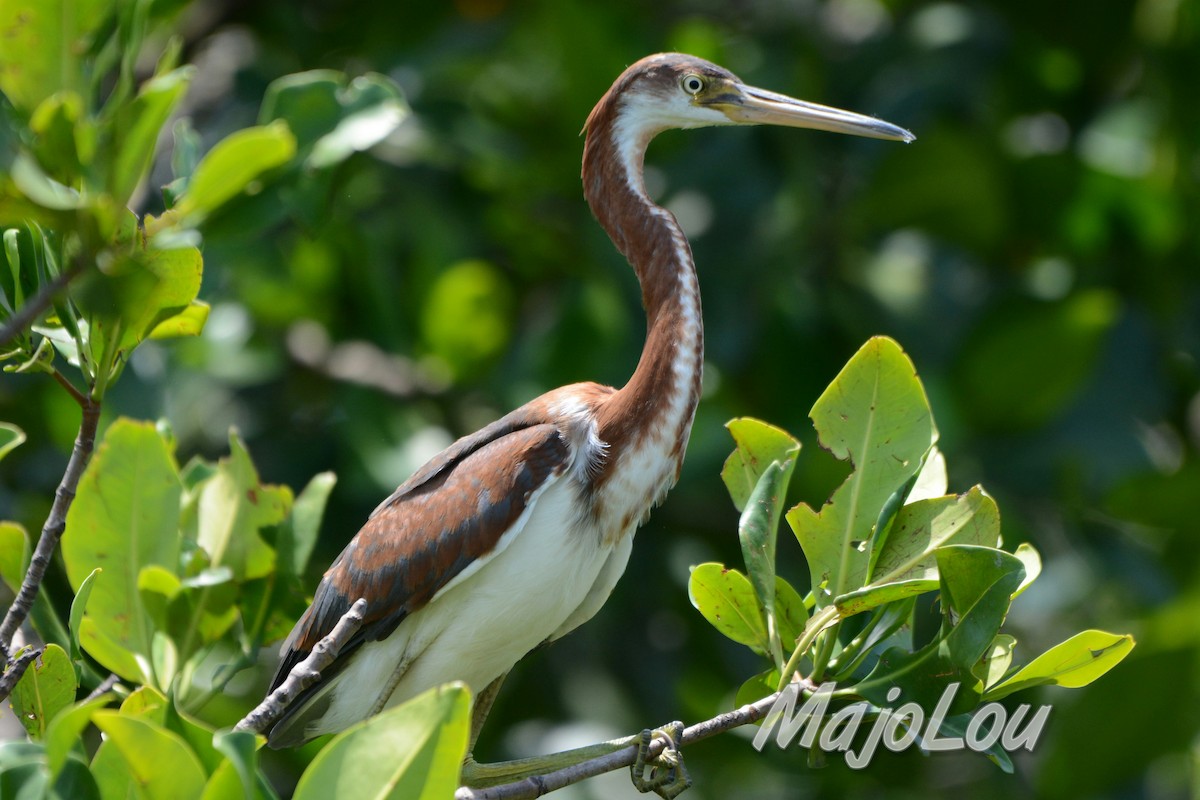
(481, 709)
(665, 774)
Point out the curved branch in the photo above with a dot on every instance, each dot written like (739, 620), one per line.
(538, 785)
(52, 533)
(306, 673)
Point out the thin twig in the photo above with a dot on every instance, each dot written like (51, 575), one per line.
(16, 668)
(306, 673)
(104, 686)
(52, 531)
(538, 785)
(30, 311)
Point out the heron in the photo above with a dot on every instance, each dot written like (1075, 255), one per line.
(517, 534)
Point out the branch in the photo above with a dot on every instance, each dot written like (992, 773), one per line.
(29, 312)
(52, 532)
(306, 673)
(15, 669)
(538, 785)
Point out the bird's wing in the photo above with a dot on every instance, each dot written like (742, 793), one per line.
(450, 514)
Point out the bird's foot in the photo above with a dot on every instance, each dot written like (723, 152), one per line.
(664, 774)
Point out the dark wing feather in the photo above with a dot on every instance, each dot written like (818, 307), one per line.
(448, 514)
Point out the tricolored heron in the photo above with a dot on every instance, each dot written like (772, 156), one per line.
(516, 534)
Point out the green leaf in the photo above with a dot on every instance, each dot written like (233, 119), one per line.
(124, 518)
(305, 522)
(188, 322)
(241, 750)
(757, 445)
(65, 138)
(160, 762)
(78, 609)
(411, 752)
(791, 613)
(63, 732)
(332, 119)
(45, 42)
(233, 163)
(996, 660)
(907, 563)
(1032, 560)
(46, 688)
(977, 584)
(1074, 663)
(874, 413)
(137, 126)
(726, 599)
(112, 655)
(233, 506)
(756, 688)
(175, 283)
(14, 554)
(757, 531)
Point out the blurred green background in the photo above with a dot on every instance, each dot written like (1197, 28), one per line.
(1035, 252)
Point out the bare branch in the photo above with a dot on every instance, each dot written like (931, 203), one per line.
(52, 531)
(538, 785)
(306, 673)
(15, 669)
(29, 312)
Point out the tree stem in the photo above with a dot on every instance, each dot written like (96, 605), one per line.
(52, 533)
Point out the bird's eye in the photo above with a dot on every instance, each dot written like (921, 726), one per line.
(692, 84)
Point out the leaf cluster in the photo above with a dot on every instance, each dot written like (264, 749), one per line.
(889, 535)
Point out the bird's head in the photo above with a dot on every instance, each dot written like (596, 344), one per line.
(673, 90)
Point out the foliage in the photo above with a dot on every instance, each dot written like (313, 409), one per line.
(887, 535)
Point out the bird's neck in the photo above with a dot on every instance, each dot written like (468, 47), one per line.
(650, 418)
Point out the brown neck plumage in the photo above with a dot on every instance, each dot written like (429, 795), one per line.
(660, 398)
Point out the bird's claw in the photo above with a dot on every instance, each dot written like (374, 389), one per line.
(665, 774)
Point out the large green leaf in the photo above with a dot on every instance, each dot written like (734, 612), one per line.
(44, 46)
(63, 733)
(726, 599)
(411, 752)
(907, 563)
(46, 688)
(233, 507)
(976, 588)
(305, 521)
(159, 761)
(137, 126)
(757, 531)
(233, 163)
(1076, 662)
(874, 413)
(124, 518)
(757, 445)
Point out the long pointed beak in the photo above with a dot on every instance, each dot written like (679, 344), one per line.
(748, 105)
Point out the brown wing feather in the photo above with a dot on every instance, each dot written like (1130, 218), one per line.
(448, 514)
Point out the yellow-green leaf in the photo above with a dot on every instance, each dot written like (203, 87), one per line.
(411, 752)
(46, 688)
(726, 599)
(232, 164)
(160, 762)
(1076, 662)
